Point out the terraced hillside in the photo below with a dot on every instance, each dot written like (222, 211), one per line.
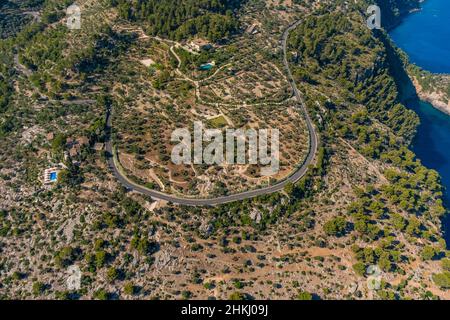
(14, 15)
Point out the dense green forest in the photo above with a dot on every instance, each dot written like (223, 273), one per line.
(178, 20)
(332, 47)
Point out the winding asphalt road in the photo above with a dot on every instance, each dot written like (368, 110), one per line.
(295, 177)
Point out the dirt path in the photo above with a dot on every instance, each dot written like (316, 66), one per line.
(153, 175)
(20, 67)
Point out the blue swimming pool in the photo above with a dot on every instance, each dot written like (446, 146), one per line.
(206, 66)
(53, 176)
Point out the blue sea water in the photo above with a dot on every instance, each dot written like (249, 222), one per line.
(425, 37)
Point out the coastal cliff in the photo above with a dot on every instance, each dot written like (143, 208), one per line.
(433, 88)
(395, 10)
(429, 87)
